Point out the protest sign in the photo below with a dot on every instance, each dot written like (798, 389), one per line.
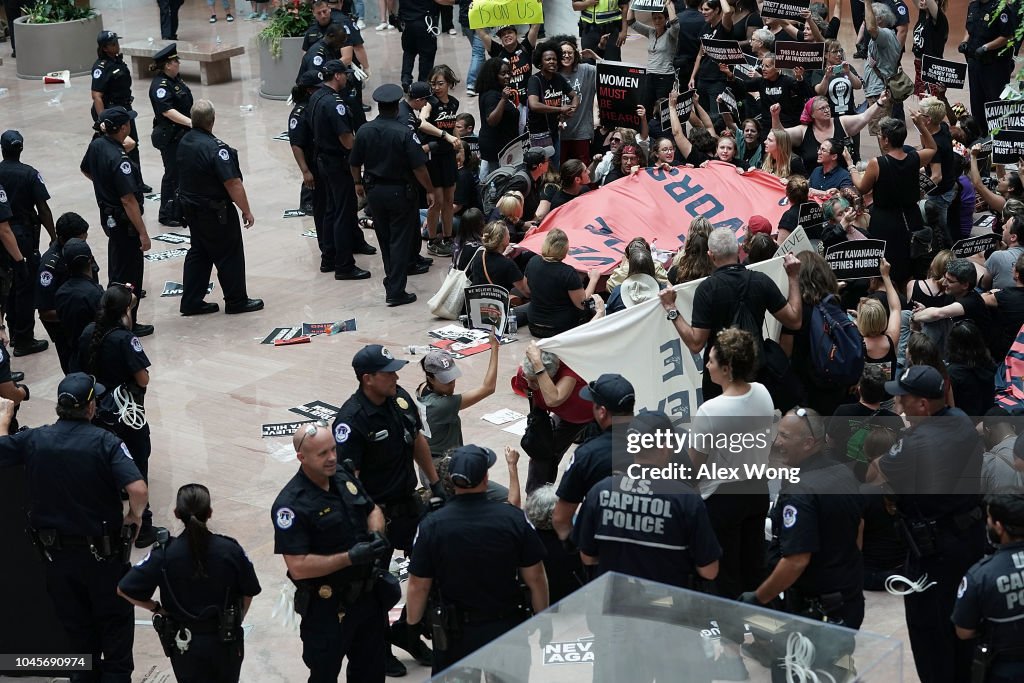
(177, 289)
(173, 238)
(811, 218)
(924, 181)
(488, 307)
(293, 213)
(461, 342)
(784, 9)
(855, 259)
(282, 428)
(512, 153)
(620, 89)
(791, 54)
(488, 13)
(684, 106)
(316, 410)
(723, 51)
(796, 242)
(647, 5)
(283, 333)
(943, 72)
(1004, 114)
(727, 102)
(1007, 146)
(976, 245)
(166, 255)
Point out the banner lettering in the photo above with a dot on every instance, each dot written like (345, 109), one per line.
(488, 13)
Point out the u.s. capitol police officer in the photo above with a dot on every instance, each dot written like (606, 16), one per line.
(206, 583)
(300, 138)
(388, 157)
(27, 195)
(117, 184)
(330, 533)
(935, 472)
(990, 599)
(112, 85)
(53, 272)
(210, 188)
(75, 474)
(331, 119)
(324, 50)
(479, 600)
(989, 63)
(172, 101)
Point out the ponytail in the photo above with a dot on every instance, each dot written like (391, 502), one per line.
(192, 507)
(113, 304)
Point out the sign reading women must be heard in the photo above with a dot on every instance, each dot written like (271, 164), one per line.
(619, 89)
(487, 13)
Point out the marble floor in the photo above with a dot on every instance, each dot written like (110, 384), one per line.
(213, 383)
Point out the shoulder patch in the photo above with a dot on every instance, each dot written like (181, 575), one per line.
(126, 167)
(292, 122)
(284, 518)
(788, 516)
(46, 278)
(124, 448)
(1004, 18)
(1, 355)
(144, 560)
(137, 345)
(97, 73)
(39, 176)
(161, 93)
(224, 154)
(962, 588)
(318, 60)
(3, 196)
(342, 432)
(340, 109)
(416, 139)
(902, 9)
(402, 403)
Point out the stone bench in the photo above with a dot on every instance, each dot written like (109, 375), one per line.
(214, 59)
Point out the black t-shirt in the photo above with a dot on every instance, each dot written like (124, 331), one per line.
(1011, 318)
(944, 157)
(442, 116)
(785, 91)
(520, 61)
(559, 197)
(790, 219)
(494, 138)
(554, 93)
(502, 270)
(849, 419)
(973, 388)
(550, 283)
(717, 299)
(467, 193)
(930, 34)
(691, 27)
(976, 310)
(709, 67)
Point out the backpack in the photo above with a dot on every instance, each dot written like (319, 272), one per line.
(772, 362)
(837, 348)
(498, 182)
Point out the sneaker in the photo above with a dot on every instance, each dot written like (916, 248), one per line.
(253, 15)
(213, 18)
(360, 24)
(470, 92)
(452, 32)
(382, 26)
(230, 17)
(433, 247)
(264, 16)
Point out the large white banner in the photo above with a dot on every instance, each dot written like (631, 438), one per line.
(643, 346)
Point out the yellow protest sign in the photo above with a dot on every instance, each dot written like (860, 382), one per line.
(487, 13)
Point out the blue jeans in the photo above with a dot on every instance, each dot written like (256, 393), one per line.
(227, 4)
(477, 59)
(360, 9)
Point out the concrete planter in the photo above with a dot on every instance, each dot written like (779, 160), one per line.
(277, 76)
(43, 48)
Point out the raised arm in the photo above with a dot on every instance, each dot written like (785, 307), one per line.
(893, 300)
(870, 22)
(677, 128)
(855, 123)
(929, 148)
(995, 201)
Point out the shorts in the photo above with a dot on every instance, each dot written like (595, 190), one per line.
(882, 112)
(443, 170)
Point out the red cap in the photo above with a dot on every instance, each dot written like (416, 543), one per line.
(759, 224)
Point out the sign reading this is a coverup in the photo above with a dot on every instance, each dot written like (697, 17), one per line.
(856, 259)
(620, 89)
(791, 54)
(943, 72)
(488, 13)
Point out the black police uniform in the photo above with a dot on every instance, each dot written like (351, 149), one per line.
(169, 18)
(112, 78)
(472, 548)
(990, 599)
(75, 474)
(76, 303)
(330, 118)
(389, 152)
(989, 73)
(300, 134)
(114, 175)
(588, 465)
(935, 469)
(343, 614)
(317, 56)
(202, 604)
(315, 31)
(166, 93)
(205, 163)
(119, 356)
(420, 19)
(24, 188)
(53, 272)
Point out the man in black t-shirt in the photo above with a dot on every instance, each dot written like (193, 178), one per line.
(775, 87)
(960, 280)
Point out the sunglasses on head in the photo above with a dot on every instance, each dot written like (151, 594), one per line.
(802, 413)
(310, 430)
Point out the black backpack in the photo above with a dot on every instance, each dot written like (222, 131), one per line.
(498, 182)
(772, 362)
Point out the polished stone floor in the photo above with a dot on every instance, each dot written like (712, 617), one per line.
(213, 383)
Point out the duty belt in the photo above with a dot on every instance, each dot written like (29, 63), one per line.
(385, 181)
(479, 616)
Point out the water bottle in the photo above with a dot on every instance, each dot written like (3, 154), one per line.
(246, 108)
(418, 350)
(512, 326)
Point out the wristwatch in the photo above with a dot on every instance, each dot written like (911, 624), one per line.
(672, 315)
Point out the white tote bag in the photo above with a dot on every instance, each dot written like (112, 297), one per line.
(451, 297)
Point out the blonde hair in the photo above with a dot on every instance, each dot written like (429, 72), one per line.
(556, 244)
(510, 205)
(784, 150)
(494, 235)
(938, 266)
(871, 317)
(934, 109)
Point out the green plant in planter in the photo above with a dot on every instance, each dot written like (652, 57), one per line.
(290, 20)
(56, 11)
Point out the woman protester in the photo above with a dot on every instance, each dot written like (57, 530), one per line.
(971, 369)
(662, 34)
(499, 112)
(841, 79)
(807, 138)
(1009, 185)
(880, 328)
(440, 111)
(550, 98)
(779, 159)
(172, 108)
(206, 583)
(558, 301)
(573, 180)
(493, 267)
(707, 79)
(578, 133)
(740, 19)
(626, 161)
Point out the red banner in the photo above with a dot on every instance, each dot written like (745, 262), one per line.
(658, 206)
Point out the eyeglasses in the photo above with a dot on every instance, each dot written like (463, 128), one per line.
(802, 413)
(837, 51)
(616, 139)
(434, 84)
(311, 430)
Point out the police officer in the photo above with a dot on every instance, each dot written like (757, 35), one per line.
(211, 187)
(331, 536)
(613, 398)
(172, 102)
(331, 120)
(935, 470)
(330, 46)
(52, 274)
(990, 599)
(389, 158)
(117, 184)
(78, 298)
(421, 24)
(815, 528)
(480, 598)
(169, 18)
(75, 475)
(600, 17)
(207, 583)
(988, 64)
(379, 429)
(300, 137)
(112, 86)
(324, 15)
(27, 195)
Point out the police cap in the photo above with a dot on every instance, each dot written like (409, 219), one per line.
(389, 93)
(336, 66)
(167, 53)
(918, 380)
(117, 116)
(77, 389)
(310, 78)
(71, 225)
(469, 465)
(76, 249)
(611, 391)
(376, 358)
(11, 140)
(105, 37)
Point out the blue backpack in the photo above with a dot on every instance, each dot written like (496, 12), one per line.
(837, 348)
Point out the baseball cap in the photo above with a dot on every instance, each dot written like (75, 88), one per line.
(336, 66)
(75, 249)
(610, 390)
(441, 365)
(11, 139)
(536, 155)
(389, 93)
(419, 90)
(917, 380)
(469, 464)
(759, 224)
(104, 37)
(118, 116)
(310, 78)
(77, 389)
(376, 358)
(504, 27)
(70, 225)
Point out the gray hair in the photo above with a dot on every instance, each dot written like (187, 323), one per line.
(540, 505)
(883, 15)
(964, 271)
(768, 56)
(203, 115)
(766, 37)
(722, 243)
(548, 360)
